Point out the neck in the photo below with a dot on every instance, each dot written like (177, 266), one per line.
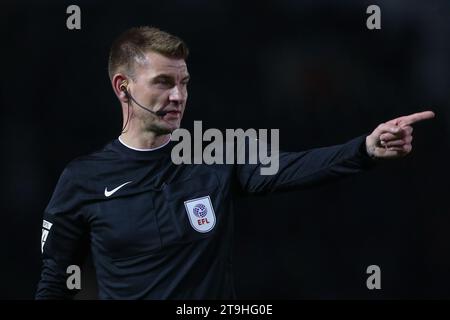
(144, 140)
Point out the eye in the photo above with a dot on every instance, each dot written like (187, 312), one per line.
(163, 81)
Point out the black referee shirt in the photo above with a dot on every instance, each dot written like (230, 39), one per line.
(163, 231)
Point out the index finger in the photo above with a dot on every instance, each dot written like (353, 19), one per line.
(415, 117)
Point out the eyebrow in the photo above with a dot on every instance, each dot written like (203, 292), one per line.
(168, 76)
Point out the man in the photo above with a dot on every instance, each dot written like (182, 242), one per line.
(163, 231)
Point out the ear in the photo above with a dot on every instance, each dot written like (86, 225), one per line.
(118, 86)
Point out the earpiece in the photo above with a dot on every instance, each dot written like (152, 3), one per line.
(124, 86)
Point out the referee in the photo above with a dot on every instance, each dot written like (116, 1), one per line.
(158, 230)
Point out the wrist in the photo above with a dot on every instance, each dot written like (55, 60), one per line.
(370, 148)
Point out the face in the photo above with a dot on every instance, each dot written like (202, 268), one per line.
(160, 84)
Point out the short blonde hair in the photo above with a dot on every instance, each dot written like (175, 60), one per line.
(131, 46)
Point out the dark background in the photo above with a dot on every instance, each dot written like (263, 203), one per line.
(311, 69)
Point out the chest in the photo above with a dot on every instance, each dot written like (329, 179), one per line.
(139, 218)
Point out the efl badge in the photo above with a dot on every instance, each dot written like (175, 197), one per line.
(201, 214)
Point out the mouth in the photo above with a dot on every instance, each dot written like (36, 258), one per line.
(172, 114)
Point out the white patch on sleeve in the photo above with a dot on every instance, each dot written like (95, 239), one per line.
(46, 226)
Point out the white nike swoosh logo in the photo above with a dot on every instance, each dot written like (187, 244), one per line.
(110, 193)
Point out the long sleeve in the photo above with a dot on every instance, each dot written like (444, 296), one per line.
(299, 169)
(64, 240)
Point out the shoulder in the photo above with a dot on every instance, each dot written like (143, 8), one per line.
(86, 165)
(68, 190)
(77, 180)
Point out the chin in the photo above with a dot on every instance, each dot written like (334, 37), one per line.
(161, 130)
(173, 127)
(164, 127)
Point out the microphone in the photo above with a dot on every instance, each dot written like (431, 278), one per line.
(159, 113)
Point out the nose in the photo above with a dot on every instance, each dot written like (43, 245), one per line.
(177, 94)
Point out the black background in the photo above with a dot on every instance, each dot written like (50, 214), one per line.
(309, 68)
